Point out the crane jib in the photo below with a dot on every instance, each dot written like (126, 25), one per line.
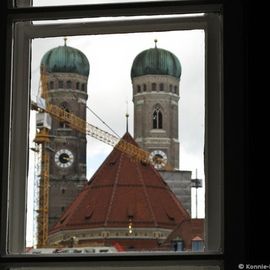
(95, 132)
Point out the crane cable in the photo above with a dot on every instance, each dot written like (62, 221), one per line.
(98, 117)
(102, 121)
(95, 114)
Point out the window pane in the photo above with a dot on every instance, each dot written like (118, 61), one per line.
(94, 201)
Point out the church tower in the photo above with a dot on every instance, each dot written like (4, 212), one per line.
(155, 78)
(67, 71)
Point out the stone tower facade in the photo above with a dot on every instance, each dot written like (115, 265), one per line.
(67, 74)
(155, 100)
(155, 76)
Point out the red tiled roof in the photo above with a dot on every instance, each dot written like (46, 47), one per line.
(122, 189)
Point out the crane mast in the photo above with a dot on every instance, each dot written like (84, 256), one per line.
(42, 140)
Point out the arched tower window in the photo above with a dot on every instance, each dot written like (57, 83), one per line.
(83, 87)
(157, 118)
(51, 85)
(61, 84)
(154, 87)
(64, 106)
(69, 84)
(161, 87)
(138, 89)
(77, 85)
(144, 87)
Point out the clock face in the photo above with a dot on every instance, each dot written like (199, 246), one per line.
(64, 158)
(158, 158)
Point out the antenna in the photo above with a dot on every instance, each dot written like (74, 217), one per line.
(127, 115)
(196, 183)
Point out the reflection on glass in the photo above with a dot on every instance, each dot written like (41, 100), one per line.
(86, 197)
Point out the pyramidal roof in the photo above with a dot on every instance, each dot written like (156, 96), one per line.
(120, 190)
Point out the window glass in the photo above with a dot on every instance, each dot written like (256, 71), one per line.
(71, 163)
(197, 245)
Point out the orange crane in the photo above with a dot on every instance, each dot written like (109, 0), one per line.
(75, 122)
(42, 141)
(79, 124)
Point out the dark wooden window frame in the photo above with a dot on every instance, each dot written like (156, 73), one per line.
(234, 129)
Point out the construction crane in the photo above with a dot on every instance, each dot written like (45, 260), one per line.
(42, 140)
(47, 110)
(79, 124)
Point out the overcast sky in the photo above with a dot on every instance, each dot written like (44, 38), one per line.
(110, 88)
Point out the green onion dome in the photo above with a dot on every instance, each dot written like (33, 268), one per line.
(156, 61)
(65, 59)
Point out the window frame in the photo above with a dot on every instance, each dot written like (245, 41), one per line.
(25, 14)
(24, 32)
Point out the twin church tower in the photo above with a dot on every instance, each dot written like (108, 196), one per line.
(155, 75)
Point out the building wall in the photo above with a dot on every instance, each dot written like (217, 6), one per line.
(180, 184)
